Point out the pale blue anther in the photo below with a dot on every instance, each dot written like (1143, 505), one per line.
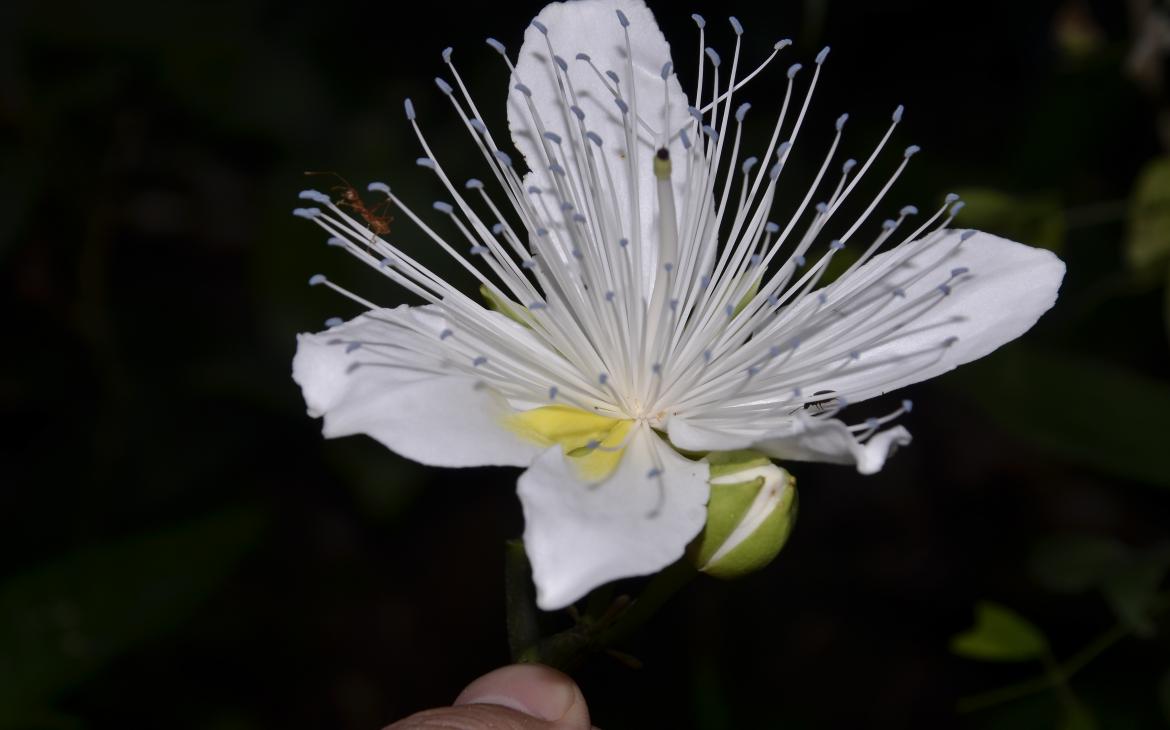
(426, 162)
(552, 393)
(666, 69)
(775, 171)
(854, 355)
(822, 207)
(798, 260)
(836, 244)
(497, 228)
(623, 242)
(966, 234)
(443, 86)
(334, 322)
(699, 20)
(871, 423)
(553, 137)
(447, 54)
(609, 295)
(352, 367)
(443, 207)
(742, 111)
(496, 46)
(566, 206)
(556, 169)
(623, 19)
(748, 164)
(534, 190)
(479, 250)
(564, 65)
(713, 56)
(908, 210)
(950, 198)
(655, 472)
(897, 117)
(674, 305)
(794, 343)
(622, 105)
(502, 157)
(771, 227)
(753, 371)
(523, 89)
(477, 125)
(911, 151)
(773, 300)
(528, 264)
(593, 137)
(306, 213)
(735, 25)
(781, 44)
(613, 76)
(592, 444)
(704, 281)
(841, 121)
(957, 207)
(378, 187)
(944, 289)
(823, 298)
(685, 139)
(479, 360)
(336, 241)
(950, 341)
(537, 305)
(577, 254)
(474, 184)
(317, 279)
(541, 232)
(656, 368)
(907, 405)
(793, 70)
(352, 346)
(782, 148)
(584, 57)
(849, 165)
(695, 113)
(796, 392)
(889, 224)
(540, 26)
(824, 53)
(756, 259)
(706, 356)
(603, 378)
(900, 292)
(578, 112)
(774, 351)
(668, 267)
(579, 218)
(959, 271)
(729, 310)
(314, 195)
(386, 263)
(408, 106)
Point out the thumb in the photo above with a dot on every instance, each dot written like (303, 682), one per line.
(518, 697)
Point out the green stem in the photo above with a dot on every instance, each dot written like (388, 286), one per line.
(519, 601)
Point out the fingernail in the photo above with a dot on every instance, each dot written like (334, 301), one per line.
(535, 690)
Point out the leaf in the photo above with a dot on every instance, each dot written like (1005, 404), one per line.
(1115, 425)
(64, 620)
(1000, 635)
(1131, 591)
(1037, 219)
(1075, 563)
(1148, 245)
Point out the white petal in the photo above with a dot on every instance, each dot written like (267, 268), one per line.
(592, 27)
(803, 438)
(580, 536)
(1005, 290)
(437, 419)
(829, 440)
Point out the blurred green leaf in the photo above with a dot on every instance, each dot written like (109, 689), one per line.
(1037, 220)
(1131, 591)
(1000, 635)
(1091, 413)
(65, 619)
(1148, 245)
(1075, 716)
(1075, 563)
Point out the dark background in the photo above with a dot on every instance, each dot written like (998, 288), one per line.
(179, 548)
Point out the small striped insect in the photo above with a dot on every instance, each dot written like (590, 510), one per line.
(818, 405)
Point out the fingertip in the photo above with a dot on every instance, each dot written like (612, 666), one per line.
(533, 689)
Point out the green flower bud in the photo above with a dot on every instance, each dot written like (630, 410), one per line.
(749, 515)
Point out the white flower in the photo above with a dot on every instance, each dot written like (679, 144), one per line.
(648, 298)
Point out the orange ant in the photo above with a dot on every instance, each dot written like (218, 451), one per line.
(376, 218)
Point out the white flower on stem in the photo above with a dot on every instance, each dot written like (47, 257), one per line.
(649, 303)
